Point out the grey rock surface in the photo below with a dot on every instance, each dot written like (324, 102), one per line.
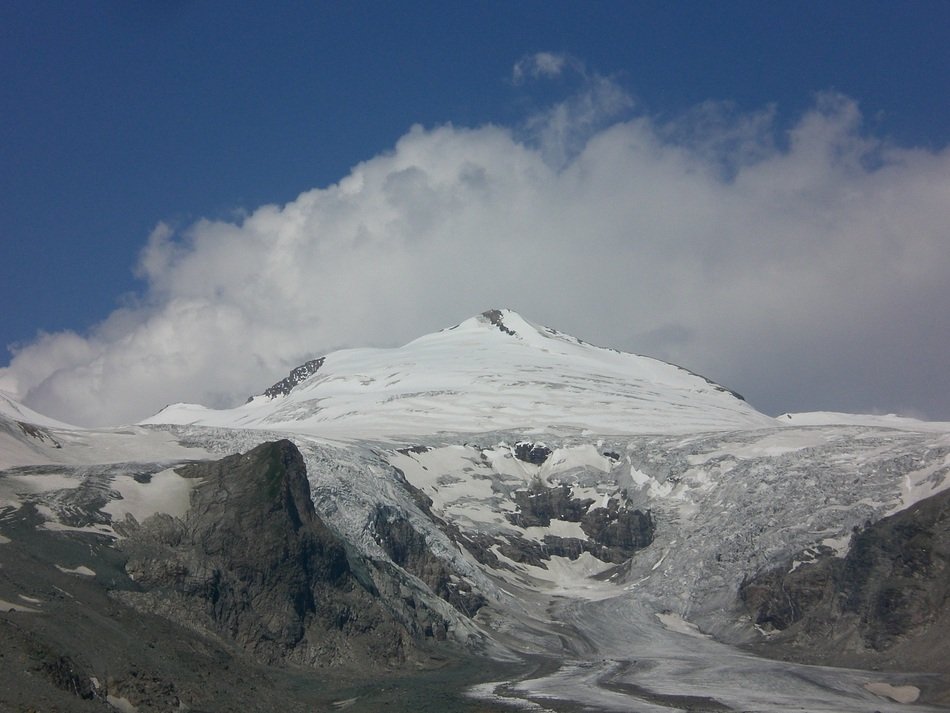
(887, 602)
(253, 563)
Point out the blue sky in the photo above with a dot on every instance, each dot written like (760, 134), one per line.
(119, 117)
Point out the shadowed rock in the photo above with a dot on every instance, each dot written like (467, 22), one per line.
(252, 562)
(300, 373)
(888, 599)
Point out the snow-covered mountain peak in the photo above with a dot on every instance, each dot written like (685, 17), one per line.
(497, 326)
(505, 321)
(495, 371)
(505, 329)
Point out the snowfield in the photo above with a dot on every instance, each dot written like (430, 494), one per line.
(492, 372)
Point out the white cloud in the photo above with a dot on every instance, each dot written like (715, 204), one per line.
(543, 65)
(808, 270)
(561, 130)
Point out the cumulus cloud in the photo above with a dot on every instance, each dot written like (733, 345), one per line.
(806, 268)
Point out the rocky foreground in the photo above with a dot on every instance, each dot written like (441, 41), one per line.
(246, 603)
(250, 601)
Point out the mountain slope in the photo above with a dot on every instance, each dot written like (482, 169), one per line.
(494, 371)
(499, 490)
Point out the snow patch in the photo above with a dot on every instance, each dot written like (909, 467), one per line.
(52, 523)
(575, 457)
(81, 570)
(923, 483)
(165, 492)
(901, 694)
(573, 577)
(662, 557)
(840, 545)
(640, 478)
(13, 606)
(559, 528)
(122, 704)
(674, 622)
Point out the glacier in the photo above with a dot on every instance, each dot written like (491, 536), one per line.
(605, 507)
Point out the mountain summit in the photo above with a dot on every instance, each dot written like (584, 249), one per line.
(494, 371)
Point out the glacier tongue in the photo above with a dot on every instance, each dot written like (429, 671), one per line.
(494, 371)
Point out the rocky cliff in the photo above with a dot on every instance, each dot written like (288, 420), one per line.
(886, 603)
(252, 562)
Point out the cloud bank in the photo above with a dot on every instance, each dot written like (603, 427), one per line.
(808, 268)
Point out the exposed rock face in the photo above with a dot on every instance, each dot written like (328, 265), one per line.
(252, 562)
(889, 598)
(496, 317)
(63, 673)
(538, 505)
(615, 533)
(529, 452)
(302, 372)
(619, 531)
(408, 549)
(37, 432)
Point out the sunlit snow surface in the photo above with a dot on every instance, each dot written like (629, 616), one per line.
(831, 418)
(477, 377)
(727, 504)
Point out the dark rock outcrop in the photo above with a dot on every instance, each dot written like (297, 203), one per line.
(253, 563)
(614, 532)
(619, 531)
(408, 548)
(523, 551)
(535, 453)
(300, 373)
(888, 599)
(538, 505)
(496, 317)
(39, 433)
